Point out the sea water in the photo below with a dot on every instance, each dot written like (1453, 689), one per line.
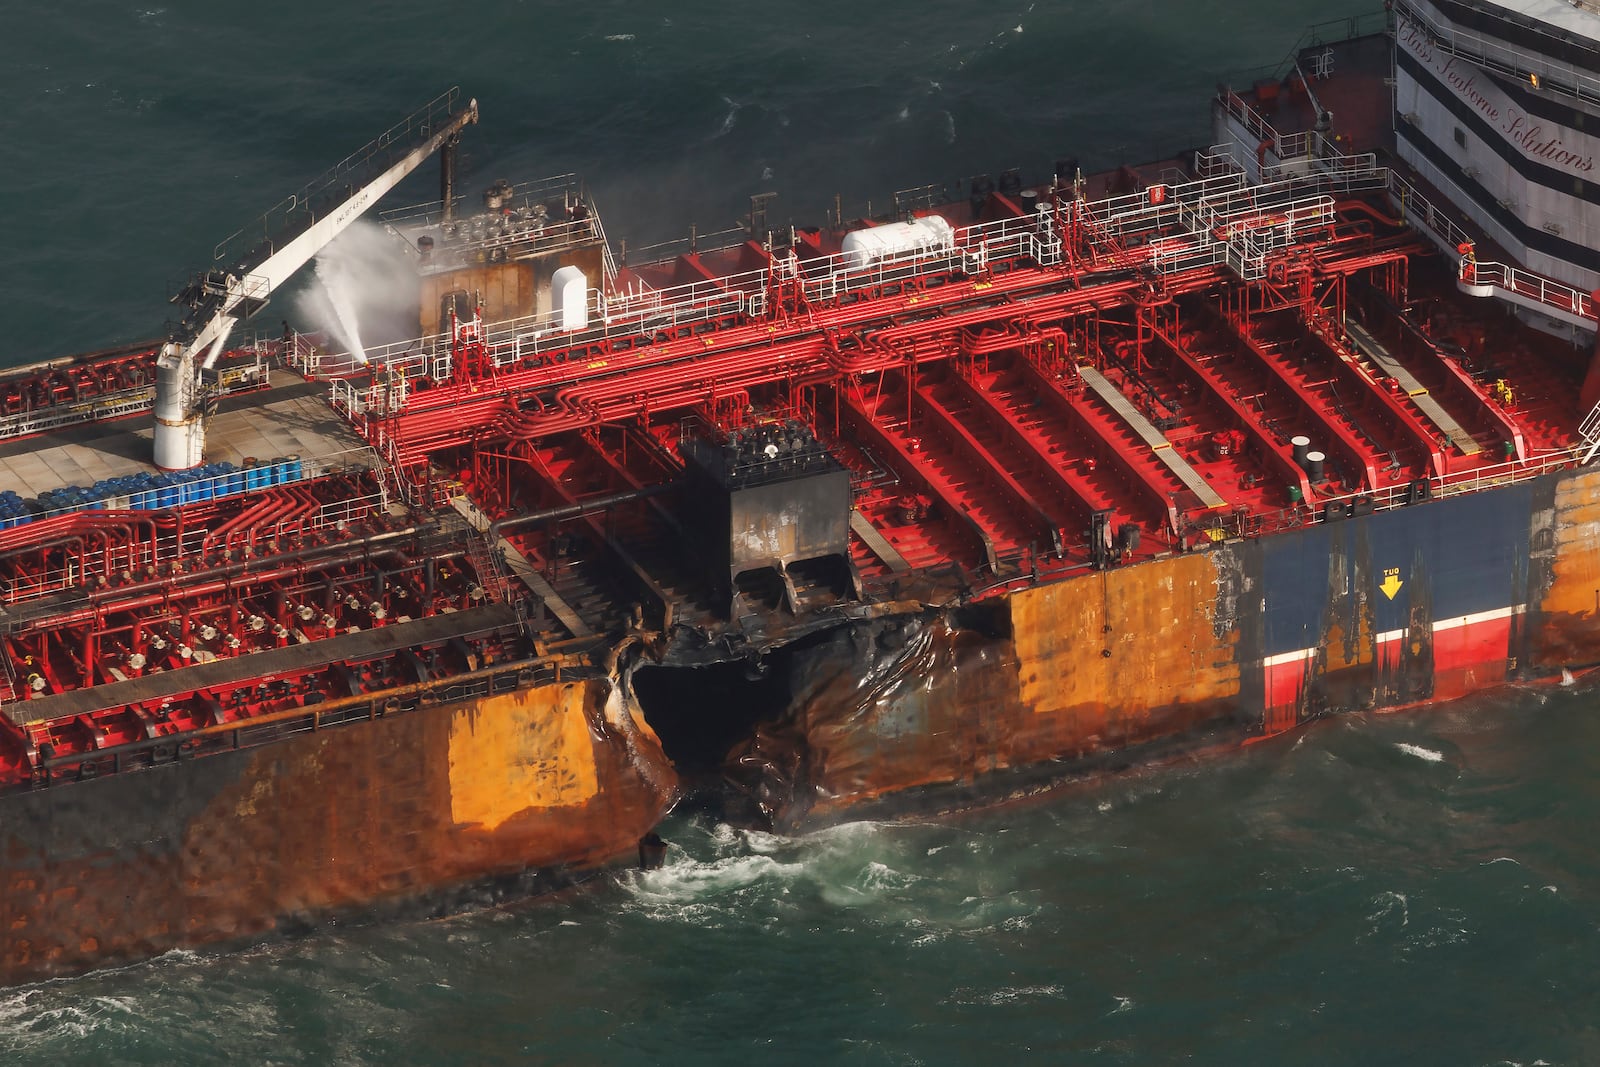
(1409, 889)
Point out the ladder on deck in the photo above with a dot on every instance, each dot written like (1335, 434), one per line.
(1589, 433)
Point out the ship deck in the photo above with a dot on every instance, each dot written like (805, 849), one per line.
(1345, 80)
(272, 663)
(290, 417)
(1082, 374)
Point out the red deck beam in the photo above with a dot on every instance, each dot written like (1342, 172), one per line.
(1342, 436)
(1276, 453)
(1037, 521)
(916, 467)
(1067, 485)
(1149, 479)
(1402, 416)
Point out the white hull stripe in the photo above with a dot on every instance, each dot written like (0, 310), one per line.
(1299, 655)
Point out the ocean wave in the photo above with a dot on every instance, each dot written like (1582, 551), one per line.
(895, 877)
(31, 1017)
(730, 119)
(968, 995)
(1388, 906)
(689, 881)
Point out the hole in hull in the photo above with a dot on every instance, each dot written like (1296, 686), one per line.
(700, 713)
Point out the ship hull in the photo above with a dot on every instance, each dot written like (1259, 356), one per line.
(911, 707)
(415, 810)
(1244, 640)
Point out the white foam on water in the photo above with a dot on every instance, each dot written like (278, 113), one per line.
(881, 872)
(29, 1017)
(1388, 904)
(1004, 994)
(1421, 753)
(730, 118)
(688, 881)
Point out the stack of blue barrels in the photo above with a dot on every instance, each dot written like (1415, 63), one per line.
(69, 498)
(149, 492)
(13, 511)
(260, 473)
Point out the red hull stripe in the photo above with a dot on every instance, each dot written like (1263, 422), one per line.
(1480, 639)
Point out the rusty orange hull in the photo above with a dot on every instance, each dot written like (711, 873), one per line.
(405, 810)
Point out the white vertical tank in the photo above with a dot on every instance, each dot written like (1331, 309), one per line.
(569, 296)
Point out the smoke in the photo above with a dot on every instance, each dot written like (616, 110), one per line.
(363, 291)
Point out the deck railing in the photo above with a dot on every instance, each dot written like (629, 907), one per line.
(338, 514)
(235, 377)
(1501, 279)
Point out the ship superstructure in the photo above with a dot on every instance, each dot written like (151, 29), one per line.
(1497, 105)
(1020, 473)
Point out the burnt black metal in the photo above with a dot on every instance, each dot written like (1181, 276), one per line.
(766, 498)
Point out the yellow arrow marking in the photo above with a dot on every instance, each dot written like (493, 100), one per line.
(1391, 582)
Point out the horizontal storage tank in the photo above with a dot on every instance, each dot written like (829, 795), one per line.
(919, 237)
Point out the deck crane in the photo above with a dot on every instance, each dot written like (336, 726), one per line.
(291, 235)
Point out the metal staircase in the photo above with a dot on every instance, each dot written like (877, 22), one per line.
(1589, 433)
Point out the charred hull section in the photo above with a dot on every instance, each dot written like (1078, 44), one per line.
(419, 810)
(950, 705)
(928, 707)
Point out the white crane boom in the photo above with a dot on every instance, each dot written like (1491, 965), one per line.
(180, 423)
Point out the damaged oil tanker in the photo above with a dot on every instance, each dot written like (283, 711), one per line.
(1021, 478)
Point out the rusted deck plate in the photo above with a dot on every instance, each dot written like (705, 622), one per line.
(1153, 437)
(291, 418)
(295, 659)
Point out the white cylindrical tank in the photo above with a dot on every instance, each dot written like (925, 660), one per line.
(924, 236)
